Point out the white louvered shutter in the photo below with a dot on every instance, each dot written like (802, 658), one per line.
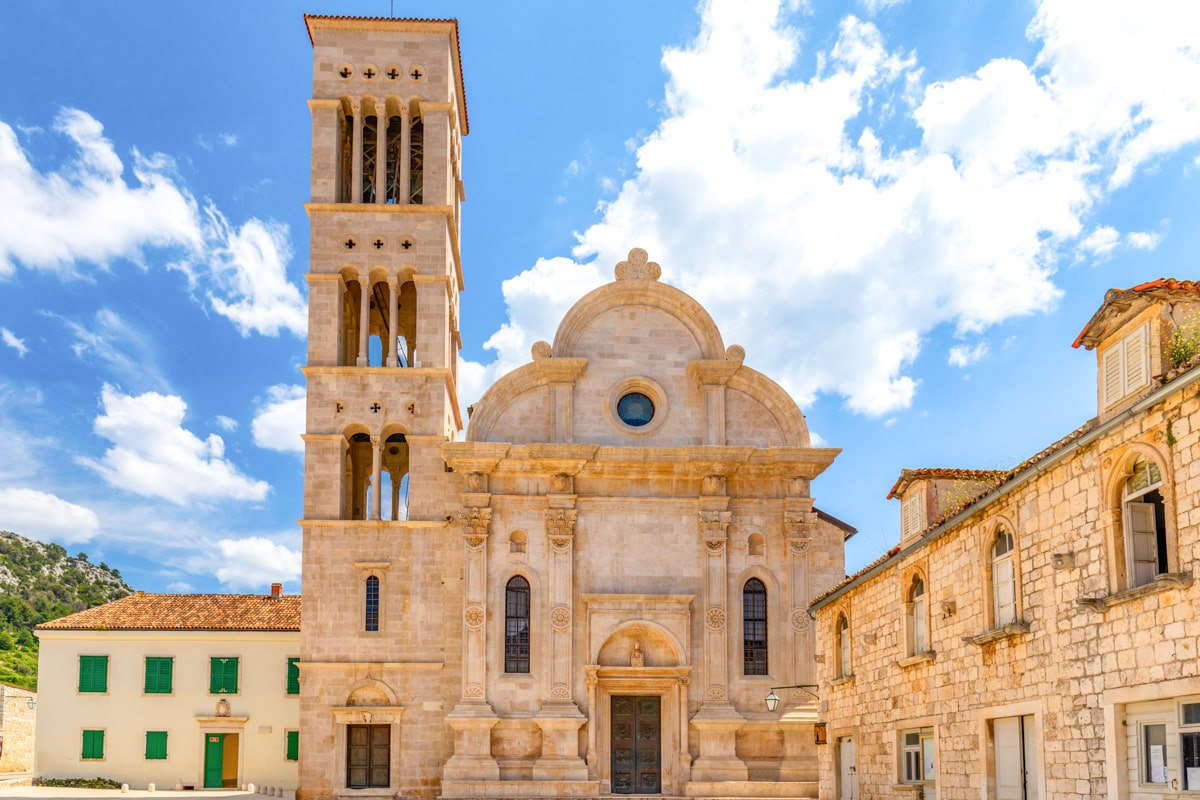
(1143, 542)
(1110, 368)
(1137, 357)
(1005, 588)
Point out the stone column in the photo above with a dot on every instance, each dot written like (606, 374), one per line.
(799, 762)
(381, 124)
(560, 718)
(472, 719)
(393, 348)
(405, 176)
(376, 476)
(356, 153)
(717, 721)
(364, 319)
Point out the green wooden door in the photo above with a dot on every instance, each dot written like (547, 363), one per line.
(214, 748)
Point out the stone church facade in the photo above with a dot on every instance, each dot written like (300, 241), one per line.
(594, 592)
(1034, 633)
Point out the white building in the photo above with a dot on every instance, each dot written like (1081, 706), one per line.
(196, 690)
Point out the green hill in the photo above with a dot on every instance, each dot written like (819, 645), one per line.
(40, 582)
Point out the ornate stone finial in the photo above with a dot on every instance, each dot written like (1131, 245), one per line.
(541, 350)
(638, 268)
(735, 352)
(637, 658)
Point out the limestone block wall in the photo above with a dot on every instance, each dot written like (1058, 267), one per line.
(17, 727)
(1091, 647)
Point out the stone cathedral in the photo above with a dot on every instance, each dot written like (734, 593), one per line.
(595, 590)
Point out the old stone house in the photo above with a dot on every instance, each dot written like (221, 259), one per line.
(1034, 633)
(596, 590)
(193, 690)
(18, 717)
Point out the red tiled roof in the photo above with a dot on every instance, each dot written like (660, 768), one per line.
(187, 612)
(907, 476)
(462, 81)
(1117, 301)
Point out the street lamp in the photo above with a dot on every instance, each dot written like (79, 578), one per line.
(773, 699)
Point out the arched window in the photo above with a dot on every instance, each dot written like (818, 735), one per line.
(917, 618)
(1004, 584)
(516, 626)
(754, 628)
(371, 615)
(843, 629)
(1144, 524)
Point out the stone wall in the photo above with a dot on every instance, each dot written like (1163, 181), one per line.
(1084, 646)
(17, 725)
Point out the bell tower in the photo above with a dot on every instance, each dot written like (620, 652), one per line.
(388, 117)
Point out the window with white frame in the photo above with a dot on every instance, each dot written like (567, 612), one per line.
(1004, 589)
(1163, 740)
(917, 756)
(1144, 524)
(843, 627)
(1125, 365)
(917, 617)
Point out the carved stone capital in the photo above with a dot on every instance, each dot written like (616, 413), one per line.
(800, 524)
(560, 522)
(715, 524)
(478, 521)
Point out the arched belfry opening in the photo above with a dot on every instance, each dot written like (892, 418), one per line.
(386, 334)
(381, 147)
(394, 478)
(356, 480)
(416, 152)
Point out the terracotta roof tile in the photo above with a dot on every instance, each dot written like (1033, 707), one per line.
(187, 612)
(1118, 301)
(907, 476)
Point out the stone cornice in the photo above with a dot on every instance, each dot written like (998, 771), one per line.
(425, 372)
(637, 462)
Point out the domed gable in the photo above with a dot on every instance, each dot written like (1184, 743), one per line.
(638, 363)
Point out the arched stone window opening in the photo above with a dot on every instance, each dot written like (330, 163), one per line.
(406, 325)
(395, 474)
(370, 149)
(371, 606)
(1004, 583)
(395, 149)
(1143, 525)
(754, 628)
(416, 152)
(843, 632)
(357, 480)
(345, 156)
(516, 625)
(917, 617)
(351, 318)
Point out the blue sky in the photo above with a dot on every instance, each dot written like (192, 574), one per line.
(904, 212)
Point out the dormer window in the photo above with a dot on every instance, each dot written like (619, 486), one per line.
(1125, 365)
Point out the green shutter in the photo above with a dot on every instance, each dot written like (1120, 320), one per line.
(293, 676)
(158, 675)
(93, 744)
(156, 745)
(222, 675)
(293, 745)
(93, 673)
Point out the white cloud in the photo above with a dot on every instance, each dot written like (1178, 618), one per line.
(153, 455)
(12, 341)
(1143, 240)
(1101, 243)
(279, 422)
(181, 587)
(228, 139)
(248, 271)
(226, 423)
(804, 217)
(255, 563)
(964, 355)
(86, 212)
(46, 517)
(127, 352)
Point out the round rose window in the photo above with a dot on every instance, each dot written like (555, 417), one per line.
(635, 409)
